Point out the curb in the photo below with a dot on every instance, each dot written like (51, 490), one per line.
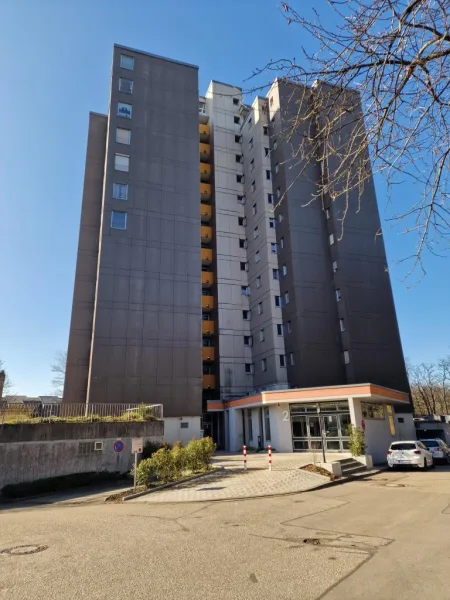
(342, 480)
(169, 485)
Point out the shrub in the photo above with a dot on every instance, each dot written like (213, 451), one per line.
(151, 447)
(164, 465)
(199, 454)
(145, 472)
(356, 441)
(179, 456)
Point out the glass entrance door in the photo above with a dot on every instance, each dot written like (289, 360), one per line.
(310, 431)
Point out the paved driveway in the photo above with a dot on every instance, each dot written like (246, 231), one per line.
(369, 539)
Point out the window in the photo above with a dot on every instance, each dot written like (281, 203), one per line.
(247, 340)
(338, 295)
(273, 248)
(237, 139)
(270, 199)
(265, 130)
(258, 283)
(249, 424)
(277, 301)
(125, 85)
(267, 424)
(260, 308)
(245, 290)
(123, 136)
(280, 217)
(237, 120)
(257, 257)
(372, 411)
(240, 178)
(279, 329)
(341, 325)
(241, 199)
(246, 315)
(262, 337)
(282, 243)
(249, 123)
(238, 158)
(249, 368)
(346, 357)
(120, 191)
(331, 239)
(268, 175)
(277, 168)
(124, 110)
(242, 244)
(284, 269)
(250, 144)
(286, 297)
(121, 162)
(271, 223)
(236, 101)
(278, 192)
(255, 233)
(334, 266)
(127, 62)
(263, 365)
(184, 425)
(244, 266)
(254, 209)
(289, 327)
(253, 186)
(275, 144)
(118, 220)
(266, 151)
(242, 221)
(282, 360)
(292, 359)
(252, 164)
(327, 213)
(275, 274)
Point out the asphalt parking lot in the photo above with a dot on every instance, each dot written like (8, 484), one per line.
(379, 538)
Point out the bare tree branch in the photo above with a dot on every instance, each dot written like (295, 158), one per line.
(59, 369)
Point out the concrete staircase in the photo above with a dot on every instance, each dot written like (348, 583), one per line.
(350, 466)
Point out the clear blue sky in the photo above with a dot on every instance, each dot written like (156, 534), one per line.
(56, 57)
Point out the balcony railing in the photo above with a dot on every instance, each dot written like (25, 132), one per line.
(205, 152)
(208, 353)
(207, 303)
(205, 213)
(205, 192)
(208, 328)
(207, 279)
(209, 382)
(207, 256)
(206, 234)
(205, 171)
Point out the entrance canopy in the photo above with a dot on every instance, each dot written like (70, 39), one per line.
(364, 391)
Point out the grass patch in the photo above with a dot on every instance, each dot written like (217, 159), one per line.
(62, 483)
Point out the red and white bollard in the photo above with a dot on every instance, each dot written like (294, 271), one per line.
(244, 450)
(269, 449)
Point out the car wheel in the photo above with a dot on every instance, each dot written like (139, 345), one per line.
(425, 464)
(448, 459)
(391, 467)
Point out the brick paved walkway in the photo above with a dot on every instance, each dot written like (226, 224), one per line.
(233, 482)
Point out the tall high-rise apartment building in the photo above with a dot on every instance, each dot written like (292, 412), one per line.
(194, 283)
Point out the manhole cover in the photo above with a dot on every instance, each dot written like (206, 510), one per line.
(23, 550)
(312, 541)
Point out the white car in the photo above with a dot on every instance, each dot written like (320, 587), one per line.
(409, 453)
(438, 449)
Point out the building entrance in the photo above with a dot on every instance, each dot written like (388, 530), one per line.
(311, 428)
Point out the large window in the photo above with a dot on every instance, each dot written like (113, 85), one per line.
(124, 110)
(123, 136)
(122, 162)
(372, 411)
(118, 220)
(127, 62)
(267, 424)
(125, 85)
(120, 191)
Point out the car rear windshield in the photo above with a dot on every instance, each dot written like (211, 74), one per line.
(430, 443)
(403, 446)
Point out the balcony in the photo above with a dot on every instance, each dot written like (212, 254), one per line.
(206, 234)
(203, 132)
(205, 213)
(207, 303)
(205, 171)
(208, 328)
(207, 279)
(207, 256)
(208, 354)
(205, 192)
(202, 112)
(205, 152)
(209, 382)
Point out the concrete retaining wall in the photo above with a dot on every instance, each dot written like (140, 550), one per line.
(31, 452)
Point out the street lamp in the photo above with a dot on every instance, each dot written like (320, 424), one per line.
(321, 435)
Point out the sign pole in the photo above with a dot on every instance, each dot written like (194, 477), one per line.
(135, 468)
